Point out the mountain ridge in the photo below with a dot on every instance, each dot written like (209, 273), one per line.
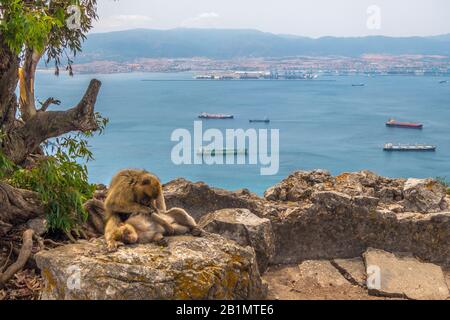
(244, 43)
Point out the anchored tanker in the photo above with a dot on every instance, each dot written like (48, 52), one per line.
(409, 147)
(408, 125)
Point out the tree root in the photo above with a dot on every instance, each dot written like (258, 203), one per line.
(25, 253)
(7, 259)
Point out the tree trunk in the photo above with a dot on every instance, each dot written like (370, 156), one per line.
(17, 206)
(9, 64)
(27, 73)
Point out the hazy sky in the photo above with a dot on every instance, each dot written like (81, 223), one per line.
(312, 18)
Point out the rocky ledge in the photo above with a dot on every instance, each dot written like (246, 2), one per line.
(309, 219)
(189, 268)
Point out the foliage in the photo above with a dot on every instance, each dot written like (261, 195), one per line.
(60, 179)
(445, 182)
(63, 188)
(42, 25)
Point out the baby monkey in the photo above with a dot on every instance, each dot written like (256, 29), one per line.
(140, 228)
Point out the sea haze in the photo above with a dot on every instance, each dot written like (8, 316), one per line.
(323, 124)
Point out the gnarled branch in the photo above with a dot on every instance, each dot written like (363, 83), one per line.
(45, 125)
(47, 104)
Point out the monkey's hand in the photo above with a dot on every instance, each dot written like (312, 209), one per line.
(113, 245)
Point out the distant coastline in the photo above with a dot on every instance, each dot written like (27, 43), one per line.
(371, 65)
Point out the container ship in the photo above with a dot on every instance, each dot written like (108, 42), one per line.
(205, 115)
(409, 125)
(408, 147)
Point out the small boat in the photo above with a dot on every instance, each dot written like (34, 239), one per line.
(214, 152)
(358, 85)
(409, 125)
(408, 147)
(443, 81)
(265, 120)
(205, 115)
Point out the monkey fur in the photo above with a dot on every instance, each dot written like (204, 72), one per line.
(135, 210)
(141, 229)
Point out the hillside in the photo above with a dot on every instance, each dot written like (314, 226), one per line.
(227, 44)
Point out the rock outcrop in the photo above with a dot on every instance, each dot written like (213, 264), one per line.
(246, 229)
(210, 267)
(317, 216)
(338, 225)
(416, 195)
(199, 199)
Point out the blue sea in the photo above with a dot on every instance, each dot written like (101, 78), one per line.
(325, 123)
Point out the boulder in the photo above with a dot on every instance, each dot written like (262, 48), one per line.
(395, 275)
(242, 226)
(199, 199)
(424, 195)
(38, 225)
(299, 186)
(210, 267)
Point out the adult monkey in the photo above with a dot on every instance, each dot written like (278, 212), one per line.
(134, 192)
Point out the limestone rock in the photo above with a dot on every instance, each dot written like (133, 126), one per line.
(210, 267)
(298, 186)
(199, 199)
(38, 225)
(424, 195)
(246, 229)
(394, 275)
(337, 225)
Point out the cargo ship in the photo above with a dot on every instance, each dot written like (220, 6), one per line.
(205, 115)
(409, 125)
(408, 147)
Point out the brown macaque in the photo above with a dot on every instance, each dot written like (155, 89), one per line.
(133, 192)
(135, 211)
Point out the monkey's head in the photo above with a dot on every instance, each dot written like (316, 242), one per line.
(147, 187)
(128, 234)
